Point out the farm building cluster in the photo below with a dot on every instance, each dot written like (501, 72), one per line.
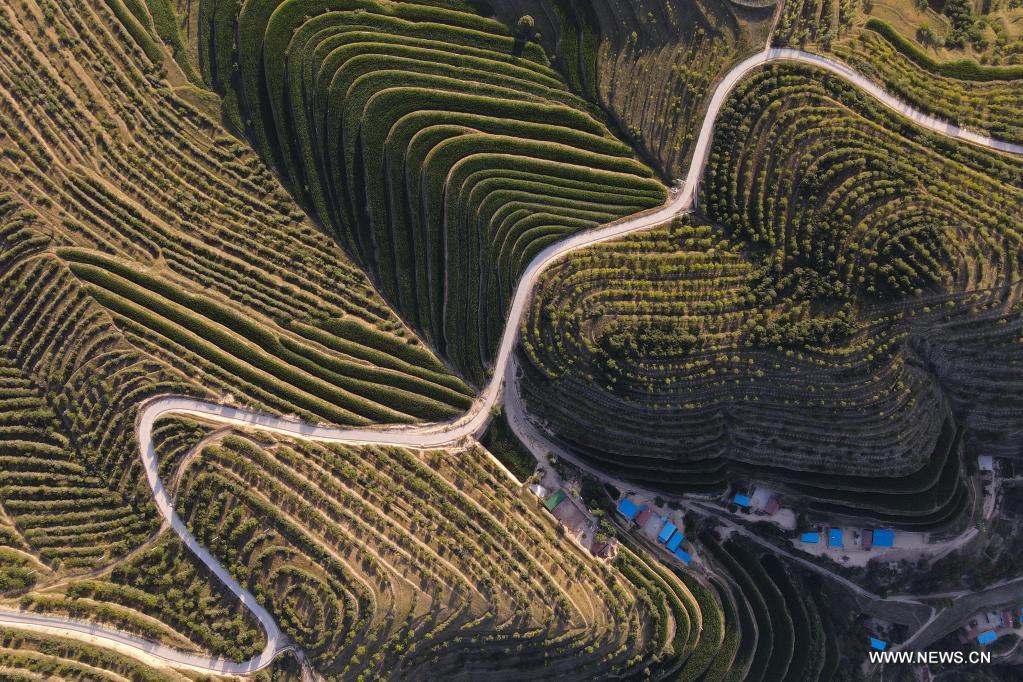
(576, 519)
(668, 532)
(986, 627)
(865, 539)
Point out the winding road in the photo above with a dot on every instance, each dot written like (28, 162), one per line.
(433, 435)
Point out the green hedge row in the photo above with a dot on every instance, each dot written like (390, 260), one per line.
(366, 106)
(275, 353)
(137, 30)
(964, 69)
(761, 612)
(712, 632)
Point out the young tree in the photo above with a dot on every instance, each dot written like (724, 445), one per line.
(525, 25)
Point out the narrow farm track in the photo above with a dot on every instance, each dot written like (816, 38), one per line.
(434, 435)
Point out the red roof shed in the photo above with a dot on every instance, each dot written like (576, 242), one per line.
(643, 517)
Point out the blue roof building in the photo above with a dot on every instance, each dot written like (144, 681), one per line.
(835, 537)
(741, 500)
(666, 532)
(878, 644)
(812, 538)
(628, 508)
(986, 637)
(675, 541)
(683, 556)
(884, 538)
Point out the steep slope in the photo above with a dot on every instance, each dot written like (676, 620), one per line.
(441, 150)
(144, 251)
(858, 305)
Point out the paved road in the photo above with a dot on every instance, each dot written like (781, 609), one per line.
(152, 653)
(434, 435)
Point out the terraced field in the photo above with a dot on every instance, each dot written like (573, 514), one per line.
(27, 657)
(61, 520)
(651, 63)
(173, 228)
(56, 508)
(143, 252)
(983, 98)
(135, 234)
(440, 149)
(827, 312)
(842, 318)
(778, 624)
(813, 22)
(380, 561)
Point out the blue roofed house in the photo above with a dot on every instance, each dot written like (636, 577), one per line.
(683, 556)
(878, 644)
(884, 538)
(628, 508)
(986, 637)
(835, 537)
(675, 541)
(741, 500)
(812, 538)
(666, 532)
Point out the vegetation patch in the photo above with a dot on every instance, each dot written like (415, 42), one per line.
(502, 443)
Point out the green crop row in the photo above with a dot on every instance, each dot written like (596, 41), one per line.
(315, 372)
(365, 104)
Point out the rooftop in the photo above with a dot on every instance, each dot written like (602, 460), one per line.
(644, 516)
(986, 637)
(628, 508)
(555, 499)
(884, 538)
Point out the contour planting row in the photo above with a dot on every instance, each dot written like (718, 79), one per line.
(849, 203)
(88, 376)
(657, 63)
(162, 594)
(381, 561)
(441, 150)
(28, 657)
(820, 337)
(861, 199)
(126, 176)
(287, 372)
(983, 99)
(778, 625)
(60, 512)
(152, 180)
(645, 357)
(649, 63)
(756, 618)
